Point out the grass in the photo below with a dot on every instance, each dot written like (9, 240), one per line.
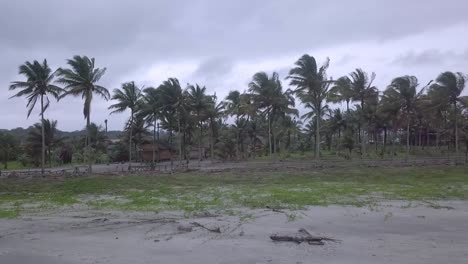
(194, 192)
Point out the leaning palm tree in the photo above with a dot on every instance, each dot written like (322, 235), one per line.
(38, 85)
(448, 87)
(129, 97)
(151, 110)
(362, 90)
(341, 91)
(174, 101)
(262, 87)
(312, 87)
(198, 102)
(81, 80)
(402, 93)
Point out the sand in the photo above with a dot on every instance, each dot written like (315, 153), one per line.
(396, 232)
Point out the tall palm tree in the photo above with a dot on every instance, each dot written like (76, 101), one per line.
(128, 97)
(402, 93)
(362, 90)
(81, 80)
(268, 95)
(214, 112)
(312, 87)
(233, 108)
(341, 91)
(448, 87)
(38, 85)
(151, 110)
(198, 101)
(174, 100)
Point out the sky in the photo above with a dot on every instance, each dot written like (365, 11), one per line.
(222, 44)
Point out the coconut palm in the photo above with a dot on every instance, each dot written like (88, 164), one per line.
(50, 134)
(233, 108)
(362, 90)
(198, 102)
(214, 112)
(402, 93)
(151, 111)
(448, 87)
(341, 91)
(128, 97)
(8, 144)
(268, 96)
(38, 85)
(312, 87)
(81, 80)
(174, 101)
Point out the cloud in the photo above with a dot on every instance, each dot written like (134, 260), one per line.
(221, 44)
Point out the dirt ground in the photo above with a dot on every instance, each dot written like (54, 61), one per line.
(396, 232)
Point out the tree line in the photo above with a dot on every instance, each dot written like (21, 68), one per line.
(263, 119)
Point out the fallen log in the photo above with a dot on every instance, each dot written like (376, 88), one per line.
(214, 230)
(298, 239)
(306, 237)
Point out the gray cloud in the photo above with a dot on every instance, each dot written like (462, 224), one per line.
(129, 37)
(431, 57)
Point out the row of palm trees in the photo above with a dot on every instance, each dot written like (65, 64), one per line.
(182, 111)
(80, 79)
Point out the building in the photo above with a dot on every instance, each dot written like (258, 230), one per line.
(163, 151)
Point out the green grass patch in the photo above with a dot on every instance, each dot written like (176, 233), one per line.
(192, 192)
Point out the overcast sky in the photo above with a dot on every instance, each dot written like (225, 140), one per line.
(221, 44)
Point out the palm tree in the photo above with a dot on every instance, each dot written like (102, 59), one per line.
(38, 85)
(268, 95)
(341, 91)
(198, 101)
(8, 144)
(362, 90)
(402, 93)
(174, 101)
(129, 97)
(214, 111)
(151, 110)
(233, 108)
(312, 87)
(50, 134)
(448, 87)
(81, 80)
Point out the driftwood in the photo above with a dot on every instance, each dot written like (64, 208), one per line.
(306, 237)
(275, 209)
(214, 230)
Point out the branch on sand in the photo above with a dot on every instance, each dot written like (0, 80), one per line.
(305, 237)
(214, 230)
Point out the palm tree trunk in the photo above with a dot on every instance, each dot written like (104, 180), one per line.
(130, 142)
(200, 143)
(180, 139)
(269, 134)
(154, 141)
(407, 138)
(384, 141)
(317, 137)
(212, 140)
(43, 136)
(456, 128)
(88, 141)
